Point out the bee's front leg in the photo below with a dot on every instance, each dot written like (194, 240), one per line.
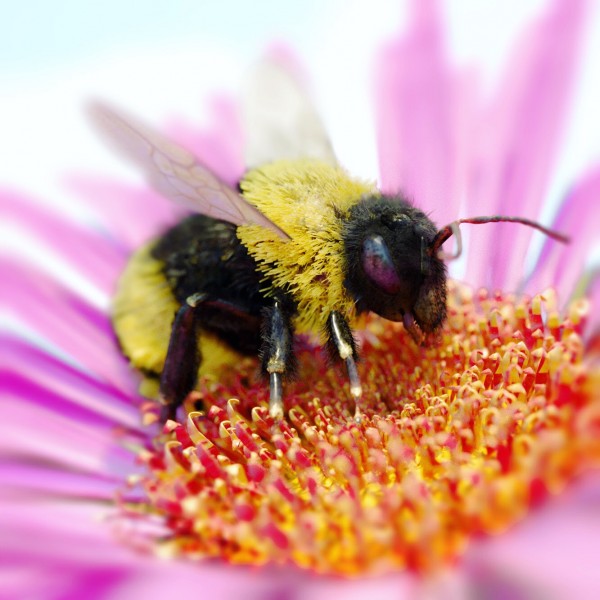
(341, 345)
(180, 371)
(278, 359)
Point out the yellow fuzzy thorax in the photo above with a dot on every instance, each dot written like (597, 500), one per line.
(305, 198)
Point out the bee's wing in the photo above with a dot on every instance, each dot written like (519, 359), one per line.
(280, 120)
(175, 173)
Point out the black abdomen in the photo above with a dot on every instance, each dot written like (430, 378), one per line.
(204, 256)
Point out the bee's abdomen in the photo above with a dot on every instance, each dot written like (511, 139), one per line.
(143, 311)
(201, 255)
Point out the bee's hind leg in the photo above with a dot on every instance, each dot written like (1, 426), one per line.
(180, 371)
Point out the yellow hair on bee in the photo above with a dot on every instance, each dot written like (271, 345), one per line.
(143, 312)
(306, 198)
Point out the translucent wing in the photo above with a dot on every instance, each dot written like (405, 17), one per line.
(175, 173)
(279, 118)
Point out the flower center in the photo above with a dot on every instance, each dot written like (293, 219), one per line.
(459, 438)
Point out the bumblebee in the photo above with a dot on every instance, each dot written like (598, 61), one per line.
(300, 246)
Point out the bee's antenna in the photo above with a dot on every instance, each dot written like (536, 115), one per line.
(453, 229)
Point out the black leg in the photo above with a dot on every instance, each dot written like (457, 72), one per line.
(180, 371)
(278, 358)
(341, 345)
(231, 322)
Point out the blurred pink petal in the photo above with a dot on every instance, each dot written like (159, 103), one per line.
(59, 419)
(594, 295)
(88, 251)
(579, 217)
(64, 319)
(35, 480)
(130, 216)
(84, 391)
(552, 554)
(517, 143)
(440, 145)
(57, 549)
(421, 109)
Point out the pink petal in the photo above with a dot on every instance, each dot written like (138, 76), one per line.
(130, 215)
(553, 553)
(519, 142)
(579, 217)
(88, 395)
(393, 587)
(29, 480)
(65, 320)
(66, 550)
(39, 431)
(93, 255)
(422, 108)
(285, 57)
(55, 549)
(593, 294)
(52, 413)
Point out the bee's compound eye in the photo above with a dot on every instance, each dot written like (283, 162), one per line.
(378, 266)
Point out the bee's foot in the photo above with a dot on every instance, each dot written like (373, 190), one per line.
(276, 412)
(276, 397)
(168, 412)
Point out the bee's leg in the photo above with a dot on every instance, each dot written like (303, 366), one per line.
(341, 345)
(277, 357)
(180, 371)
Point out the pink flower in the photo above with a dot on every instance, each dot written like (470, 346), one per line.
(71, 439)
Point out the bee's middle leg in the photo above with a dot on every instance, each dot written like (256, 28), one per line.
(278, 359)
(342, 346)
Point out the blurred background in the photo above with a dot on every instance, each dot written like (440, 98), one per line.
(163, 60)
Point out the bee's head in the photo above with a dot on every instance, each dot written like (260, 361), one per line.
(390, 268)
(394, 261)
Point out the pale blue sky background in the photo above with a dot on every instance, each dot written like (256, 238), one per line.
(36, 34)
